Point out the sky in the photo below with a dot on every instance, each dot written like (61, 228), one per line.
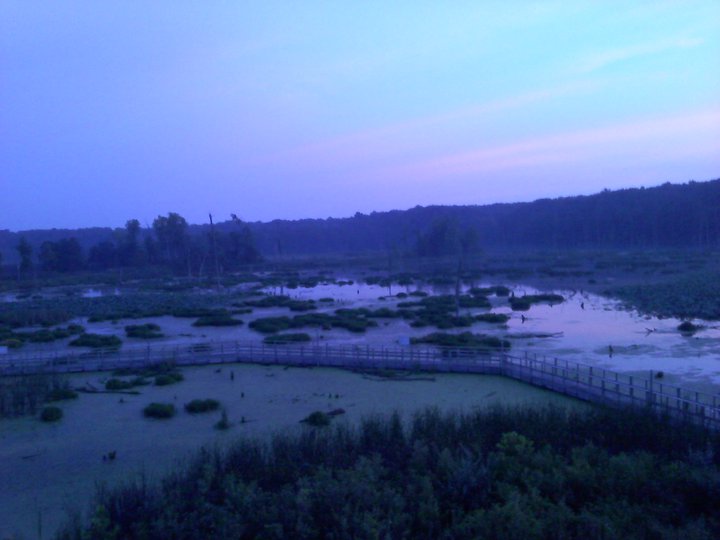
(283, 110)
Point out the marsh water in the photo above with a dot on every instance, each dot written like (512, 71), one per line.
(48, 470)
(585, 328)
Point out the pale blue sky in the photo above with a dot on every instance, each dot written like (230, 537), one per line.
(113, 110)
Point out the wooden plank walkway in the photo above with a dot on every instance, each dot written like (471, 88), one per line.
(573, 379)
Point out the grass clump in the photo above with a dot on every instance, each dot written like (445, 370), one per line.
(143, 331)
(51, 414)
(96, 341)
(159, 410)
(202, 405)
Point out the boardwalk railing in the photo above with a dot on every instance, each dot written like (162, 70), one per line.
(570, 378)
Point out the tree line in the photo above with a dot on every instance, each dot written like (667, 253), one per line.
(168, 243)
(670, 215)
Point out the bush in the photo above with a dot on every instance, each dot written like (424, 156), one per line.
(51, 414)
(202, 405)
(159, 410)
(165, 379)
(96, 341)
(316, 419)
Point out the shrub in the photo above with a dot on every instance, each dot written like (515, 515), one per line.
(202, 405)
(51, 414)
(159, 410)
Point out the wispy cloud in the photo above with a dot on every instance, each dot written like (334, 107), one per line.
(388, 139)
(567, 147)
(602, 59)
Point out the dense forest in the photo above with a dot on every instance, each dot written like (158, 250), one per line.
(671, 215)
(527, 473)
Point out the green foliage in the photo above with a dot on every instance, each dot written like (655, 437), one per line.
(202, 405)
(96, 341)
(143, 331)
(493, 473)
(51, 414)
(159, 410)
(284, 339)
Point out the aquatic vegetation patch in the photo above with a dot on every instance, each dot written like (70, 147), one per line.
(495, 318)
(51, 414)
(464, 339)
(169, 378)
(691, 296)
(159, 410)
(202, 405)
(285, 339)
(96, 341)
(317, 419)
(143, 331)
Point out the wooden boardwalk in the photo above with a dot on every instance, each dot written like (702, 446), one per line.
(569, 378)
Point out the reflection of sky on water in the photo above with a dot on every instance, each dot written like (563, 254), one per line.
(583, 327)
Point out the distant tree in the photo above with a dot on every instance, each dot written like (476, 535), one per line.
(129, 251)
(24, 249)
(103, 255)
(241, 245)
(48, 256)
(62, 256)
(171, 234)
